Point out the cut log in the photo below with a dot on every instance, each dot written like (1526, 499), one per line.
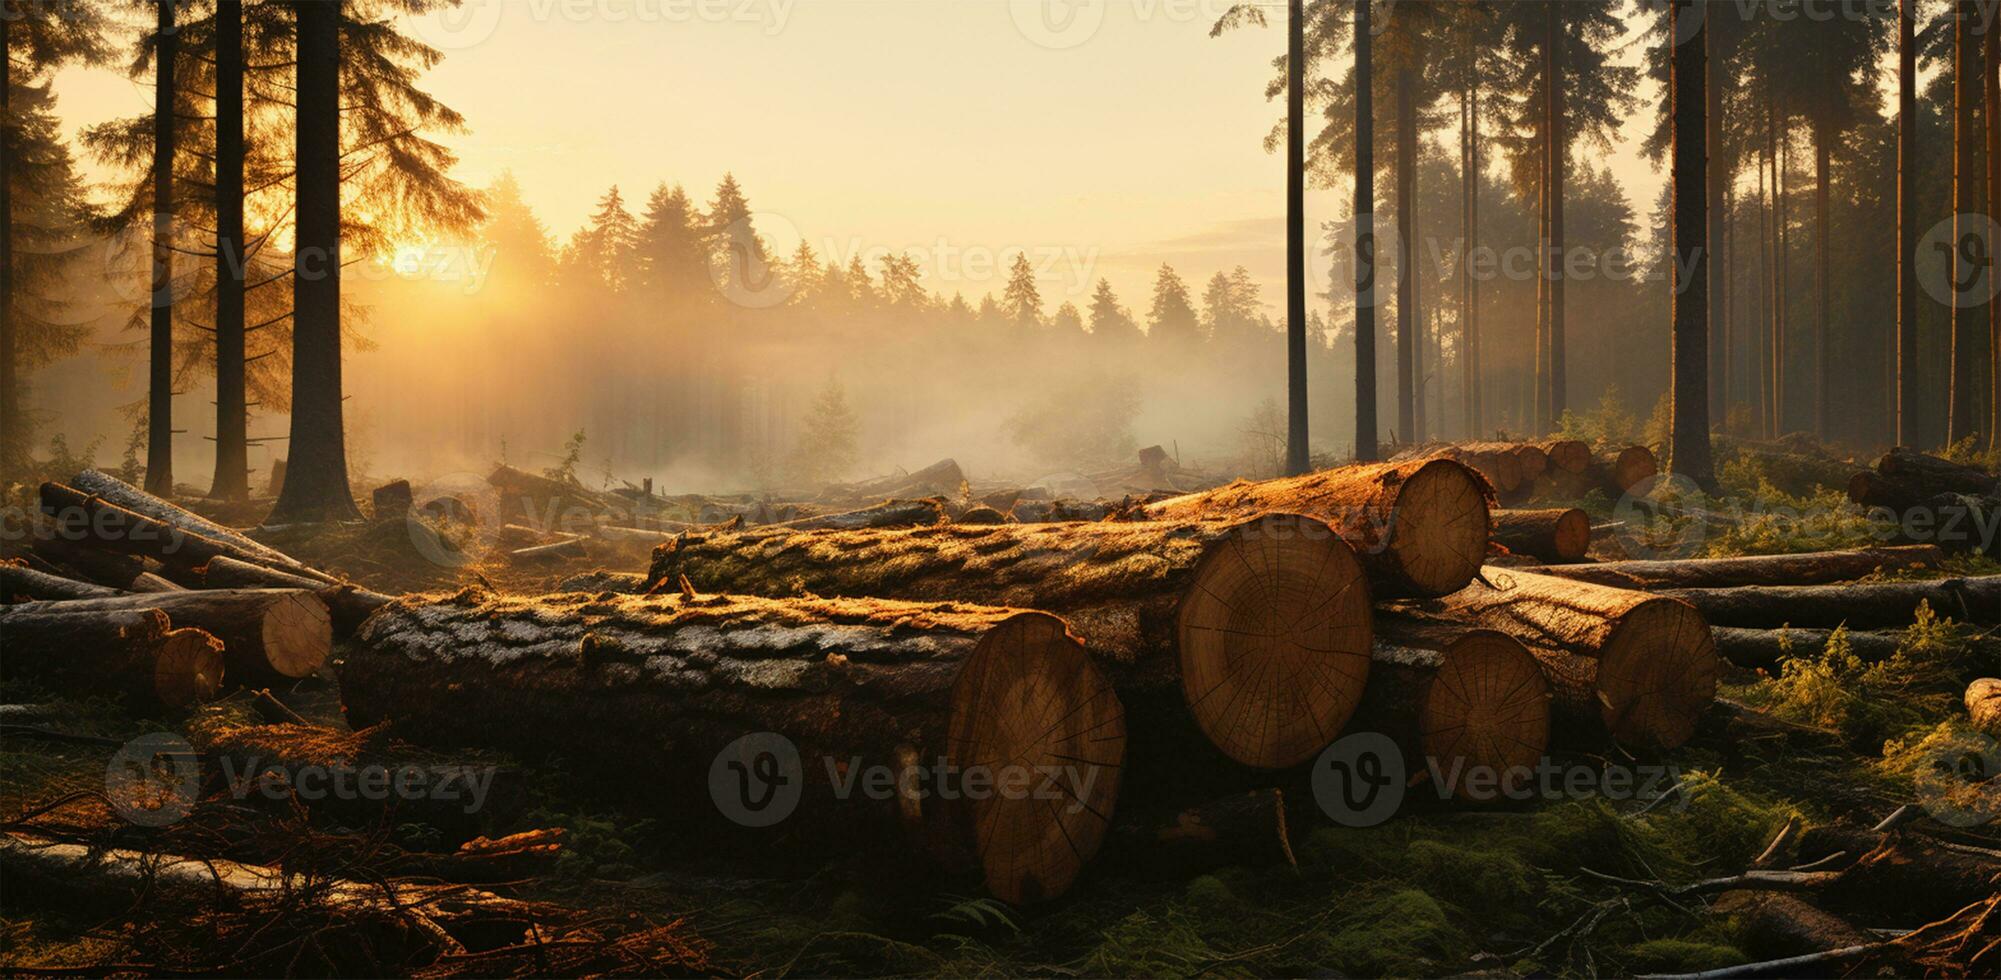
(1756, 649)
(1558, 534)
(1651, 662)
(1806, 568)
(131, 498)
(19, 582)
(347, 604)
(268, 635)
(1935, 475)
(662, 684)
(1534, 461)
(549, 503)
(1567, 455)
(135, 652)
(1498, 466)
(1621, 469)
(1983, 705)
(1420, 527)
(85, 519)
(1872, 489)
(941, 479)
(1467, 705)
(889, 513)
(1874, 605)
(571, 546)
(126, 573)
(981, 515)
(1259, 629)
(392, 499)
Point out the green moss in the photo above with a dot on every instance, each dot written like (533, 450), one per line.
(1402, 933)
(1474, 878)
(1679, 956)
(1150, 945)
(1209, 892)
(1711, 820)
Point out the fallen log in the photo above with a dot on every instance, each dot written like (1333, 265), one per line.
(1874, 605)
(1420, 528)
(1777, 924)
(663, 684)
(268, 635)
(1935, 475)
(1567, 455)
(571, 546)
(1621, 469)
(602, 580)
(1058, 511)
(86, 519)
(126, 573)
(1983, 705)
(1558, 534)
(135, 652)
(348, 604)
(1534, 461)
(131, 498)
(1257, 629)
(1806, 568)
(1469, 706)
(1757, 649)
(941, 479)
(1498, 466)
(889, 513)
(551, 503)
(1642, 665)
(19, 582)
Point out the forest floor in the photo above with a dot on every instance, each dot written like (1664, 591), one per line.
(1581, 886)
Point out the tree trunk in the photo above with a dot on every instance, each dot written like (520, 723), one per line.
(347, 605)
(1909, 402)
(97, 483)
(1469, 705)
(160, 342)
(1166, 608)
(1559, 162)
(1558, 535)
(1296, 456)
(1716, 183)
(1469, 185)
(1823, 277)
(1366, 427)
(1983, 705)
(1761, 341)
(232, 447)
(1807, 568)
(1688, 363)
(1965, 311)
(1407, 323)
(19, 582)
(1876, 605)
(132, 651)
(268, 635)
(1775, 358)
(316, 486)
(1646, 664)
(1419, 527)
(1990, 101)
(13, 435)
(668, 685)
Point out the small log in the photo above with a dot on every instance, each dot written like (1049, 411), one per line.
(268, 635)
(19, 582)
(1874, 605)
(135, 652)
(392, 499)
(552, 503)
(1466, 705)
(602, 580)
(1983, 705)
(1497, 465)
(981, 515)
(1872, 489)
(1620, 469)
(1777, 924)
(1935, 475)
(662, 684)
(940, 479)
(125, 573)
(347, 603)
(1257, 629)
(86, 519)
(633, 535)
(1559, 534)
(109, 488)
(1642, 665)
(1420, 527)
(889, 513)
(1805, 568)
(571, 546)
(1534, 461)
(1755, 649)
(1566, 455)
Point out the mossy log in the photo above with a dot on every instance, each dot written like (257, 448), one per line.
(1621, 468)
(1936, 475)
(1257, 630)
(1983, 705)
(1806, 568)
(1646, 663)
(1756, 649)
(18, 582)
(109, 488)
(1873, 605)
(658, 686)
(133, 652)
(1469, 704)
(268, 635)
(347, 603)
(1558, 534)
(1776, 924)
(1420, 527)
(889, 513)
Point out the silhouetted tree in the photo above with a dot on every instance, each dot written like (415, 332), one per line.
(1172, 319)
(1688, 451)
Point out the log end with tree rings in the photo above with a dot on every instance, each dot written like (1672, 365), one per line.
(1439, 528)
(1029, 700)
(1553, 535)
(1656, 674)
(1275, 635)
(1627, 467)
(298, 634)
(188, 668)
(1568, 455)
(1486, 710)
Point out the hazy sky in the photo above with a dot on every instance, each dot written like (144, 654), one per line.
(1102, 137)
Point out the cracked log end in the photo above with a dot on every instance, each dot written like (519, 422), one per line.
(298, 635)
(1487, 707)
(1656, 674)
(1275, 637)
(1029, 699)
(1441, 525)
(188, 669)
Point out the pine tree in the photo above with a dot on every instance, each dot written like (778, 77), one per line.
(829, 437)
(610, 243)
(902, 282)
(667, 247)
(1021, 301)
(1067, 322)
(1110, 322)
(1172, 318)
(803, 277)
(524, 256)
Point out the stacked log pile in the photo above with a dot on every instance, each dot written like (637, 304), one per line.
(1927, 498)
